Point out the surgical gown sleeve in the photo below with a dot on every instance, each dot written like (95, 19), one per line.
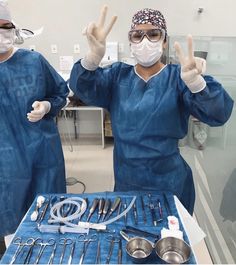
(212, 105)
(92, 87)
(56, 89)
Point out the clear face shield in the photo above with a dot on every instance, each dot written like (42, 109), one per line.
(22, 34)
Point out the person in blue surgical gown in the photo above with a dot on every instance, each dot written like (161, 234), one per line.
(31, 158)
(150, 104)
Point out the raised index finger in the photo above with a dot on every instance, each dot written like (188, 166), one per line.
(102, 17)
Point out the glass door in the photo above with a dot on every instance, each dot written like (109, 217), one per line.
(214, 162)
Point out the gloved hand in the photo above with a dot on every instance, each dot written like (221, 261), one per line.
(40, 108)
(191, 67)
(96, 35)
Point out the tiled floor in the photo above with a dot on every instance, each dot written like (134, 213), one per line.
(90, 164)
(93, 166)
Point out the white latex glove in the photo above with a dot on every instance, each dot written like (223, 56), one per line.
(40, 108)
(96, 35)
(191, 67)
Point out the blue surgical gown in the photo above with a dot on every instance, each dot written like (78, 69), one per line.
(31, 158)
(148, 118)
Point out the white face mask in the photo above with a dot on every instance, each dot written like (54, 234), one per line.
(7, 37)
(147, 53)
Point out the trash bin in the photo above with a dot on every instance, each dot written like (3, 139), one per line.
(197, 134)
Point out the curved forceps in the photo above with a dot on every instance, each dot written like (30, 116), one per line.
(86, 240)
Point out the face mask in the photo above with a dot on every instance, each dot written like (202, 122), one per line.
(147, 53)
(7, 37)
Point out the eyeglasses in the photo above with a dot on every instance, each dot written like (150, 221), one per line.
(7, 26)
(154, 35)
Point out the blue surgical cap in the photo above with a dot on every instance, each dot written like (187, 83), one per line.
(5, 12)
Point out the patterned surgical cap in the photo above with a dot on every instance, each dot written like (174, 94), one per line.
(149, 16)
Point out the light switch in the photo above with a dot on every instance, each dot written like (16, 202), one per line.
(76, 48)
(54, 48)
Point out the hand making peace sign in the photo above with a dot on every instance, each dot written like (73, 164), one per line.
(191, 67)
(96, 35)
(98, 32)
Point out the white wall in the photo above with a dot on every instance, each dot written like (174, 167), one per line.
(64, 20)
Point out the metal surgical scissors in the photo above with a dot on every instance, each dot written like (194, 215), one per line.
(112, 239)
(86, 241)
(43, 245)
(64, 242)
(18, 241)
(30, 251)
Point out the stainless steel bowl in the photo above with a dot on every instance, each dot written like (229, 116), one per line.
(138, 248)
(173, 250)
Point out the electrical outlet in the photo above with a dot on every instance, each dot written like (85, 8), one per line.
(121, 47)
(76, 48)
(32, 47)
(54, 48)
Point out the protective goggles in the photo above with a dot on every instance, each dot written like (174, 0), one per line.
(154, 35)
(7, 26)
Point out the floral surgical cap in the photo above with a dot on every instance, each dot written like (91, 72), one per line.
(149, 16)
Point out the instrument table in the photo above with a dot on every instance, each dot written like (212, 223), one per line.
(28, 229)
